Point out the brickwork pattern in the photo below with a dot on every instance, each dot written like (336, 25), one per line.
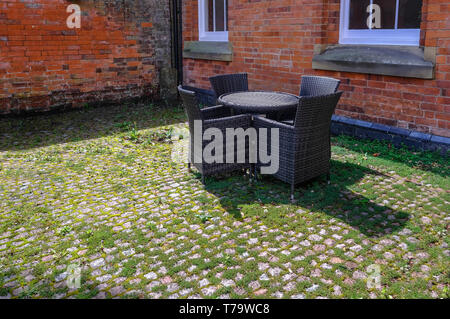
(274, 42)
(116, 54)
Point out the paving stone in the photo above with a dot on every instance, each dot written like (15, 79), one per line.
(264, 277)
(115, 291)
(61, 276)
(289, 286)
(166, 280)
(336, 260)
(260, 292)
(228, 282)
(356, 248)
(186, 291)
(274, 271)
(208, 291)
(337, 291)
(151, 276)
(359, 275)
(172, 287)
(104, 278)
(388, 255)
(319, 248)
(153, 284)
(288, 277)
(101, 295)
(254, 285)
(98, 263)
(312, 288)
(128, 252)
(203, 282)
(305, 243)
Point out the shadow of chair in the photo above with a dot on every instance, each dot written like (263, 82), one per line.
(335, 199)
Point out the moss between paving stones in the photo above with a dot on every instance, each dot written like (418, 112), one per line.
(97, 188)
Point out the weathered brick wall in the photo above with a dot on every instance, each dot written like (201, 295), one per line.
(117, 53)
(274, 42)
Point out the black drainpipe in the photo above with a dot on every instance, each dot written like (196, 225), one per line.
(177, 39)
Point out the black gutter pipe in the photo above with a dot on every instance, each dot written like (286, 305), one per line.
(177, 38)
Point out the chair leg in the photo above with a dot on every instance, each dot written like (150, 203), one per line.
(292, 193)
(189, 167)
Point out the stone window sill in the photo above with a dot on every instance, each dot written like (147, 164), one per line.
(208, 50)
(414, 62)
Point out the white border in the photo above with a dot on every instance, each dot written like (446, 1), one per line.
(203, 35)
(377, 37)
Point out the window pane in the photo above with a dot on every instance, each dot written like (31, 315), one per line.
(409, 14)
(387, 13)
(383, 14)
(220, 18)
(358, 14)
(210, 15)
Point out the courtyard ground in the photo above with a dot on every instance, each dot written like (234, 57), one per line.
(98, 189)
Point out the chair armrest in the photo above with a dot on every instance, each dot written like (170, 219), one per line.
(217, 111)
(236, 121)
(259, 121)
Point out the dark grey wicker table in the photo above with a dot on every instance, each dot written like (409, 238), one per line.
(260, 102)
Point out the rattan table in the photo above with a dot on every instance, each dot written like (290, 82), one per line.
(259, 102)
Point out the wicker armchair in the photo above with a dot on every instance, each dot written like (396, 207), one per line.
(213, 117)
(304, 147)
(228, 83)
(318, 85)
(312, 86)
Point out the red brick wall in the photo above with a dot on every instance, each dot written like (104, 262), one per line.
(274, 41)
(44, 64)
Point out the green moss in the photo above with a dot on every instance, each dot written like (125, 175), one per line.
(98, 186)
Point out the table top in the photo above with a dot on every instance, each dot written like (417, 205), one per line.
(259, 101)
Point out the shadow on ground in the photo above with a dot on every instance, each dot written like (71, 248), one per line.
(39, 130)
(336, 200)
(426, 161)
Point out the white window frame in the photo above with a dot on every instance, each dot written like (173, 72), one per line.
(409, 37)
(204, 35)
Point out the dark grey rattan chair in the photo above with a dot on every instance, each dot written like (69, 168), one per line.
(213, 117)
(228, 83)
(312, 85)
(318, 85)
(304, 147)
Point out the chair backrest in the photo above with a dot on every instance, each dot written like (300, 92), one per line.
(190, 103)
(314, 113)
(228, 83)
(318, 85)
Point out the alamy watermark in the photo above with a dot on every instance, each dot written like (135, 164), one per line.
(74, 19)
(374, 18)
(374, 278)
(216, 151)
(73, 280)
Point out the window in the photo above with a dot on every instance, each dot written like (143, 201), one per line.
(382, 22)
(213, 20)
